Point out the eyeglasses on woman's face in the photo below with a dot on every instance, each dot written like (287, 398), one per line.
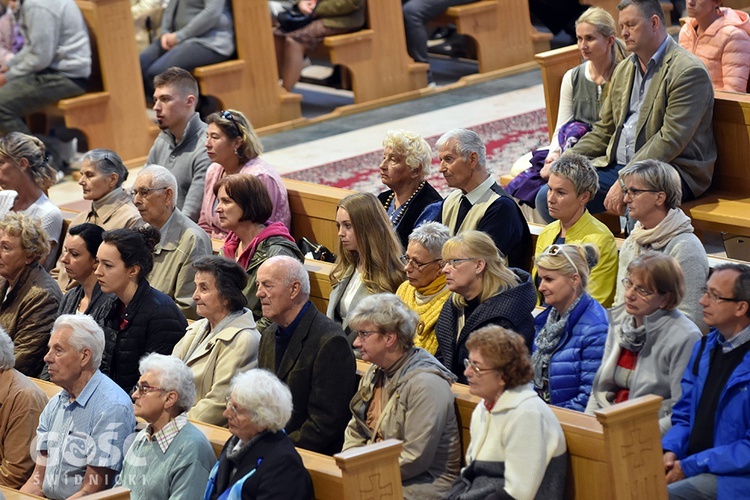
(143, 389)
(452, 263)
(406, 260)
(639, 290)
(363, 334)
(469, 363)
(634, 192)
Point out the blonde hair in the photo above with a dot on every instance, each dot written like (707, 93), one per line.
(34, 240)
(583, 256)
(605, 24)
(378, 246)
(415, 150)
(16, 146)
(496, 277)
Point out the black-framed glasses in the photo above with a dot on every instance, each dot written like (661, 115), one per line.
(469, 363)
(555, 250)
(642, 292)
(143, 389)
(363, 334)
(227, 115)
(406, 260)
(715, 297)
(143, 192)
(452, 262)
(633, 192)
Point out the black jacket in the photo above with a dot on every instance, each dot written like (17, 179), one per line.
(152, 322)
(279, 470)
(425, 197)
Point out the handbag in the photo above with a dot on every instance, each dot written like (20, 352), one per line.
(318, 252)
(292, 19)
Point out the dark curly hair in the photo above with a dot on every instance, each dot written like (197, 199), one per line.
(506, 350)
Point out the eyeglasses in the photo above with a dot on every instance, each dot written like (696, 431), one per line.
(715, 297)
(419, 265)
(642, 292)
(452, 262)
(144, 192)
(363, 334)
(228, 116)
(232, 407)
(555, 250)
(468, 363)
(143, 389)
(633, 192)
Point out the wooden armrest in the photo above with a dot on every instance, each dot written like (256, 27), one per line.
(339, 40)
(487, 6)
(219, 69)
(84, 101)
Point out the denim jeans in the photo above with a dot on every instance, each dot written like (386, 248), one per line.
(700, 487)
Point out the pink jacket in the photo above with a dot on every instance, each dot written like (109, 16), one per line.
(724, 48)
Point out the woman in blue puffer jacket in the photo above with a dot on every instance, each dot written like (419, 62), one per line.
(572, 331)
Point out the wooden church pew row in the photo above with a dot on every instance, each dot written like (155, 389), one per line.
(112, 115)
(616, 454)
(498, 23)
(376, 55)
(368, 472)
(726, 205)
(118, 493)
(250, 83)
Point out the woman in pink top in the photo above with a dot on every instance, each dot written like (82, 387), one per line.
(720, 37)
(234, 148)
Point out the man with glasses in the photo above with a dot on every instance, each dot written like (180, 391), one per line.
(309, 353)
(181, 145)
(707, 451)
(182, 240)
(82, 431)
(659, 105)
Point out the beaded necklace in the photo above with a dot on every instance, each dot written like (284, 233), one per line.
(397, 215)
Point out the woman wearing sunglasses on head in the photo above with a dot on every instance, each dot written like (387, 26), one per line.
(571, 332)
(573, 182)
(235, 148)
(649, 341)
(652, 191)
(485, 292)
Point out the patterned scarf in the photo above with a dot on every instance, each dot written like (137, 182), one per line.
(629, 336)
(546, 343)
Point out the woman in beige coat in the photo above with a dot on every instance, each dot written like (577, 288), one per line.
(224, 342)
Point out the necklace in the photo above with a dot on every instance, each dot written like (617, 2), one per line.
(399, 214)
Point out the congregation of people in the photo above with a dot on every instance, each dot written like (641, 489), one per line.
(148, 332)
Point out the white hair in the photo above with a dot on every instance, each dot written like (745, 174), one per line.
(161, 177)
(267, 398)
(7, 358)
(294, 270)
(466, 142)
(85, 332)
(173, 374)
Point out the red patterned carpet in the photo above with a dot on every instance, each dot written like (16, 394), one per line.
(506, 141)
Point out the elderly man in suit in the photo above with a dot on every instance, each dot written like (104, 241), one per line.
(309, 353)
(659, 106)
(182, 240)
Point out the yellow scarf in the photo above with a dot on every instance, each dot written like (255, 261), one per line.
(427, 302)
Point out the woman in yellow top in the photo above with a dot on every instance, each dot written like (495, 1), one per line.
(573, 181)
(425, 290)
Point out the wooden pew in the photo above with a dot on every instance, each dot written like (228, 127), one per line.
(118, 493)
(250, 83)
(368, 472)
(376, 56)
(501, 31)
(726, 205)
(112, 115)
(616, 454)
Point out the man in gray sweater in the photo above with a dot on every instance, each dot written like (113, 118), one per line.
(181, 145)
(54, 64)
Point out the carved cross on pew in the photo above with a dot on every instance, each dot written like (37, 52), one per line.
(376, 490)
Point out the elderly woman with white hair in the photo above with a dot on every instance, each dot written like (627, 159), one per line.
(652, 190)
(30, 297)
(22, 403)
(573, 182)
(406, 395)
(405, 166)
(425, 289)
(259, 460)
(170, 458)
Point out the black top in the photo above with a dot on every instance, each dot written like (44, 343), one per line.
(405, 225)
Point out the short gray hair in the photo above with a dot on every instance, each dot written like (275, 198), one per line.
(107, 162)
(467, 142)
(161, 177)
(389, 314)
(294, 270)
(267, 398)
(432, 236)
(578, 170)
(85, 332)
(173, 375)
(7, 357)
(659, 176)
